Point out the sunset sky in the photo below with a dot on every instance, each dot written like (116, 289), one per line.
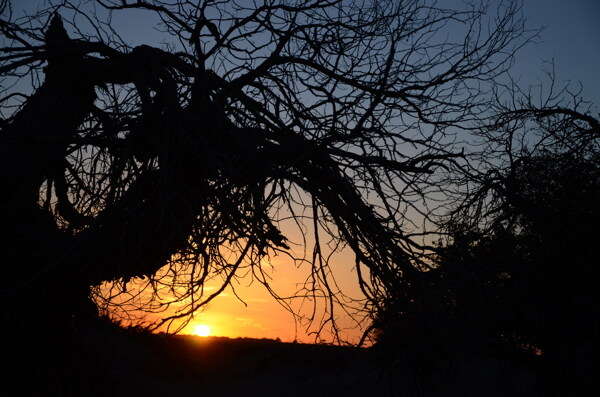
(571, 39)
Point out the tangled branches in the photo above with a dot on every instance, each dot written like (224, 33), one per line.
(333, 116)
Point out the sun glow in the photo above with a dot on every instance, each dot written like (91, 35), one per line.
(202, 330)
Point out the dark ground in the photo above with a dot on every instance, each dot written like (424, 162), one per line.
(107, 361)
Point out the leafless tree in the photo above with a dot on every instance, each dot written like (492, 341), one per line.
(163, 168)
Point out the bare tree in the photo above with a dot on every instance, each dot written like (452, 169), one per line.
(179, 164)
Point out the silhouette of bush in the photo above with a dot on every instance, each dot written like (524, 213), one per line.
(527, 288)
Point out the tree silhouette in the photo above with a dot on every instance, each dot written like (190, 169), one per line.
(177, 165)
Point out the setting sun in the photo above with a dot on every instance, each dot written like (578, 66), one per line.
(202, 330)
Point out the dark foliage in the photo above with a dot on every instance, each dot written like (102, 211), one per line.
(524, 291)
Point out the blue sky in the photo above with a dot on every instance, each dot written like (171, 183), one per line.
(571, 38)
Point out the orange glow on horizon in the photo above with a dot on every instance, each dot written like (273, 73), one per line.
(246, 309)
(258, 315)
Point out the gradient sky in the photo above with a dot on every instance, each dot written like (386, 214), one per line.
(571, 39)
